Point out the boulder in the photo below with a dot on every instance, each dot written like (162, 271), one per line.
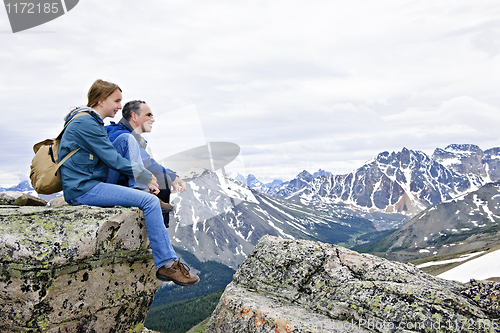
(306, 286)
(74, 269)
(20, 199)
(57, 202)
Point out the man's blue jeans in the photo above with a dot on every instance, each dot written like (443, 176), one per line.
(104, 194)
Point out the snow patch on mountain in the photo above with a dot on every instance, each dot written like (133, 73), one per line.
(481, 268)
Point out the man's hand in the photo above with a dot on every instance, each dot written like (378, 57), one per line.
(178, 185)
(153, 186)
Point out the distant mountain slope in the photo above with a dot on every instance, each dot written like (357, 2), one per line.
(464, 223)
(284, 189)
(24, 186)
(222, 219)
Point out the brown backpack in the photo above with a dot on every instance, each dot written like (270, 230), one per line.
(44, 176)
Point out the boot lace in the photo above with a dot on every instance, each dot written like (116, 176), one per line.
(184, 268)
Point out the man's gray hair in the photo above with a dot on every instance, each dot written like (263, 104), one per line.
(132, 107)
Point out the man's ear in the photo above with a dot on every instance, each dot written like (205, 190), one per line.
(134, 117)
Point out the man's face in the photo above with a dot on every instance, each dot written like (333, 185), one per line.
(145, 120)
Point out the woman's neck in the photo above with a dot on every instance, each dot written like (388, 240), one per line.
(100, 111)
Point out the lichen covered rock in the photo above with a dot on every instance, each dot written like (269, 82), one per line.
(356, 292)
(486, 294)
(244, 310)
(74, 269)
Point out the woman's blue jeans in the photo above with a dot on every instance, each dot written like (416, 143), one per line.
(104, 194)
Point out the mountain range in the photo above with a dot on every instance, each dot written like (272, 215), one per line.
(24, 186)
(404, 182)
(225, 217)
(221, 217)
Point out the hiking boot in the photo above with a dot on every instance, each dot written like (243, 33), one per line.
(178, 274)
(166, 207)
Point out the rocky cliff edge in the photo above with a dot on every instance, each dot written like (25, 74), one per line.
(74, 269)
(304, 286)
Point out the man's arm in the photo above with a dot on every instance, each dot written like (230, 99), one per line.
(157, 169)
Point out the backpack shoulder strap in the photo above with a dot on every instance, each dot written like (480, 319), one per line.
(71, 153)
(66, 157)
(83, 113)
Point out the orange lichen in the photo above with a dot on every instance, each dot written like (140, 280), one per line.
(283, 326)
(259, 318)
(245, 311)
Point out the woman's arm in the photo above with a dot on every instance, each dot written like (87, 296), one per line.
(94, 139)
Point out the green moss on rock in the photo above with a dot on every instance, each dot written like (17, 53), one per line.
(59, 267)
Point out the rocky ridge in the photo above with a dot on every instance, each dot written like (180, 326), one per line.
(399, 182)
(305, 286)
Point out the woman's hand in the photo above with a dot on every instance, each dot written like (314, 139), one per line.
(153, 186)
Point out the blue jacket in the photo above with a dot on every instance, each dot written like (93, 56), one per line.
(115, 130)
(89, 165)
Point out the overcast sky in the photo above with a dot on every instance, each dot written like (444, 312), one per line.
(296, 84)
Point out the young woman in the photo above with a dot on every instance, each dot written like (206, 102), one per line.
(84, 176)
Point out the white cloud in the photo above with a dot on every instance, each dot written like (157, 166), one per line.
(322, 83)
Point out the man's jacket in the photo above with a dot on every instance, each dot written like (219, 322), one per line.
(123, 126)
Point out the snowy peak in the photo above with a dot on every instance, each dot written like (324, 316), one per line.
(463, 148)
(252, 181)
(274, 183)
(237, 176)
(322, 173)
(305, 176)
(218, 218)
(289, 187)
(404, 182)
(470, 159)
(404, 159)
(461, 158)
(24, 186)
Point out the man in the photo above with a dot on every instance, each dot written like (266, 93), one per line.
(126, 138)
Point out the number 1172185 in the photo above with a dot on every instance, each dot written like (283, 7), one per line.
(31, 8)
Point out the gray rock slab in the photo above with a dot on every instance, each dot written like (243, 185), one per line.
(244, 310)
(372, 293)
(74, 269)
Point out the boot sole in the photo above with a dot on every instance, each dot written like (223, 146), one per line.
(179, 283)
